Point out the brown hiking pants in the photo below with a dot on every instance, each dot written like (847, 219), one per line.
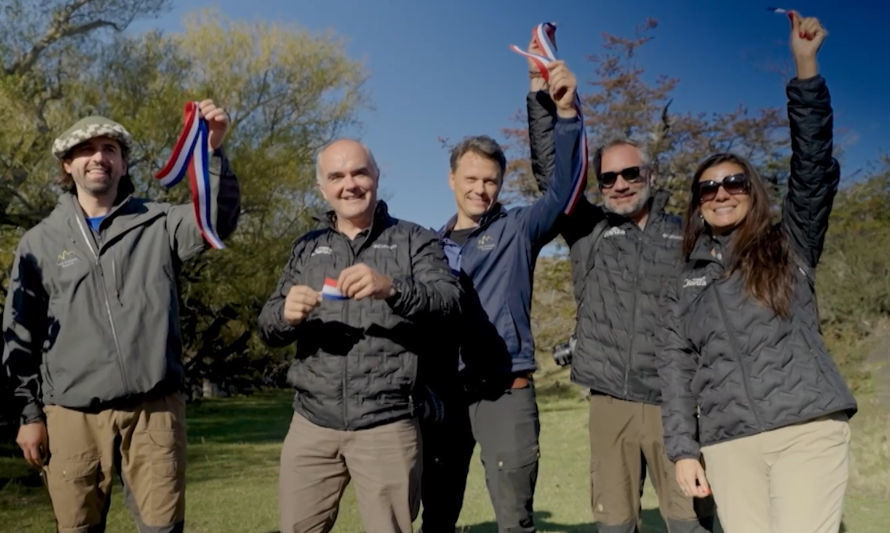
(145, 442)
(317, 463)
(625, 438)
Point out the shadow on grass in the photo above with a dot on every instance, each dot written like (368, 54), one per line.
(652, 523)
(557, 390)
(263, 417)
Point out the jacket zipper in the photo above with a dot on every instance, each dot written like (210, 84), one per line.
(343, 318)
(117, 346)
(737, 348)
(633, 320)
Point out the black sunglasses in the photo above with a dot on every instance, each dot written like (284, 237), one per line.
(630, 175)
(733, 184)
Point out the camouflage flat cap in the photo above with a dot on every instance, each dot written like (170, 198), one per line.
(89, 128)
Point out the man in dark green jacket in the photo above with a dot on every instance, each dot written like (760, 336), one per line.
(91, 330)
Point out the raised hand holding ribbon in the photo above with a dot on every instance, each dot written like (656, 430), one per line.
(190, 154)
(563, 89)
(217, 122)
(544, 39)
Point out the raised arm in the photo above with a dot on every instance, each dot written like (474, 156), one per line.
(541, 114)
(814, 172)
(225, 197)
(568, 181)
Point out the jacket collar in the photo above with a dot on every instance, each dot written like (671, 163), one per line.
(497, 211)
(712, 249)
(328, 219)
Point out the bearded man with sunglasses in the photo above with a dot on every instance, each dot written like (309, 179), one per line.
(622, 254)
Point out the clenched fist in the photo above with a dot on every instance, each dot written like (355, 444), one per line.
(300, 300)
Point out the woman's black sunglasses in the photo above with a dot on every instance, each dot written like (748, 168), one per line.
(733, 184)
(630, 175)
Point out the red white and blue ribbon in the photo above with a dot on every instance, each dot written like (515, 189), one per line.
(544, 35)
(330, 291)
(190, 154)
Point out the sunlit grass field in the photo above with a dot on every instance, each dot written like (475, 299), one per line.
(232, 474)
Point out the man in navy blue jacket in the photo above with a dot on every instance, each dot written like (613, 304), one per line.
(495, 250)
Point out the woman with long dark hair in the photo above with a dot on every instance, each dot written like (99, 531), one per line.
(747, 381)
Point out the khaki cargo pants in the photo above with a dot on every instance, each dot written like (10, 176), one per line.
(317, 463)
(144, 443)
(626, 439)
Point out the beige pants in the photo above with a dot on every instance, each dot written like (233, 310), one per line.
(788, 480)
(626, 437)
(317, 463)
(147, 441)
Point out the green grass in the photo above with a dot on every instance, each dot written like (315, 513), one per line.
(233, 460)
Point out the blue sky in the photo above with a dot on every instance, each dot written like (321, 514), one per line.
(443, 69)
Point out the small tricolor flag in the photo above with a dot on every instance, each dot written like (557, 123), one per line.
(544, 35)
(330, 290)
(190, 154)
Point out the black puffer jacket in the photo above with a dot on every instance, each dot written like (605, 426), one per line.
(619, 273)
(743, 368)
(356, 363)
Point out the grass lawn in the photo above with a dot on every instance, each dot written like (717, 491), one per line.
(232, 475)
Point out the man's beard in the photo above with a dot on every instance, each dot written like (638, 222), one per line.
(642, 199)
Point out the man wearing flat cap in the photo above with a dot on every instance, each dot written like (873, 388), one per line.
(91, 329)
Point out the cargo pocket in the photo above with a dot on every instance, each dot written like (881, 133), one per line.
(72, 487)
(165, 503)
(517, 474)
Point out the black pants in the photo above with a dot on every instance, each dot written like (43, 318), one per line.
(506, 426)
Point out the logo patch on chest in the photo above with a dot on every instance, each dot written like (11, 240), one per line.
(485, 243)
(67, 258)
(322, 250)
(378, 246)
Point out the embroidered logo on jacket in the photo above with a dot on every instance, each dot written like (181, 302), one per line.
(672, 236)
(378, 246)
(695, 282)
(485, 243)
(613, 232)
(67, 258)
(322, 250)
